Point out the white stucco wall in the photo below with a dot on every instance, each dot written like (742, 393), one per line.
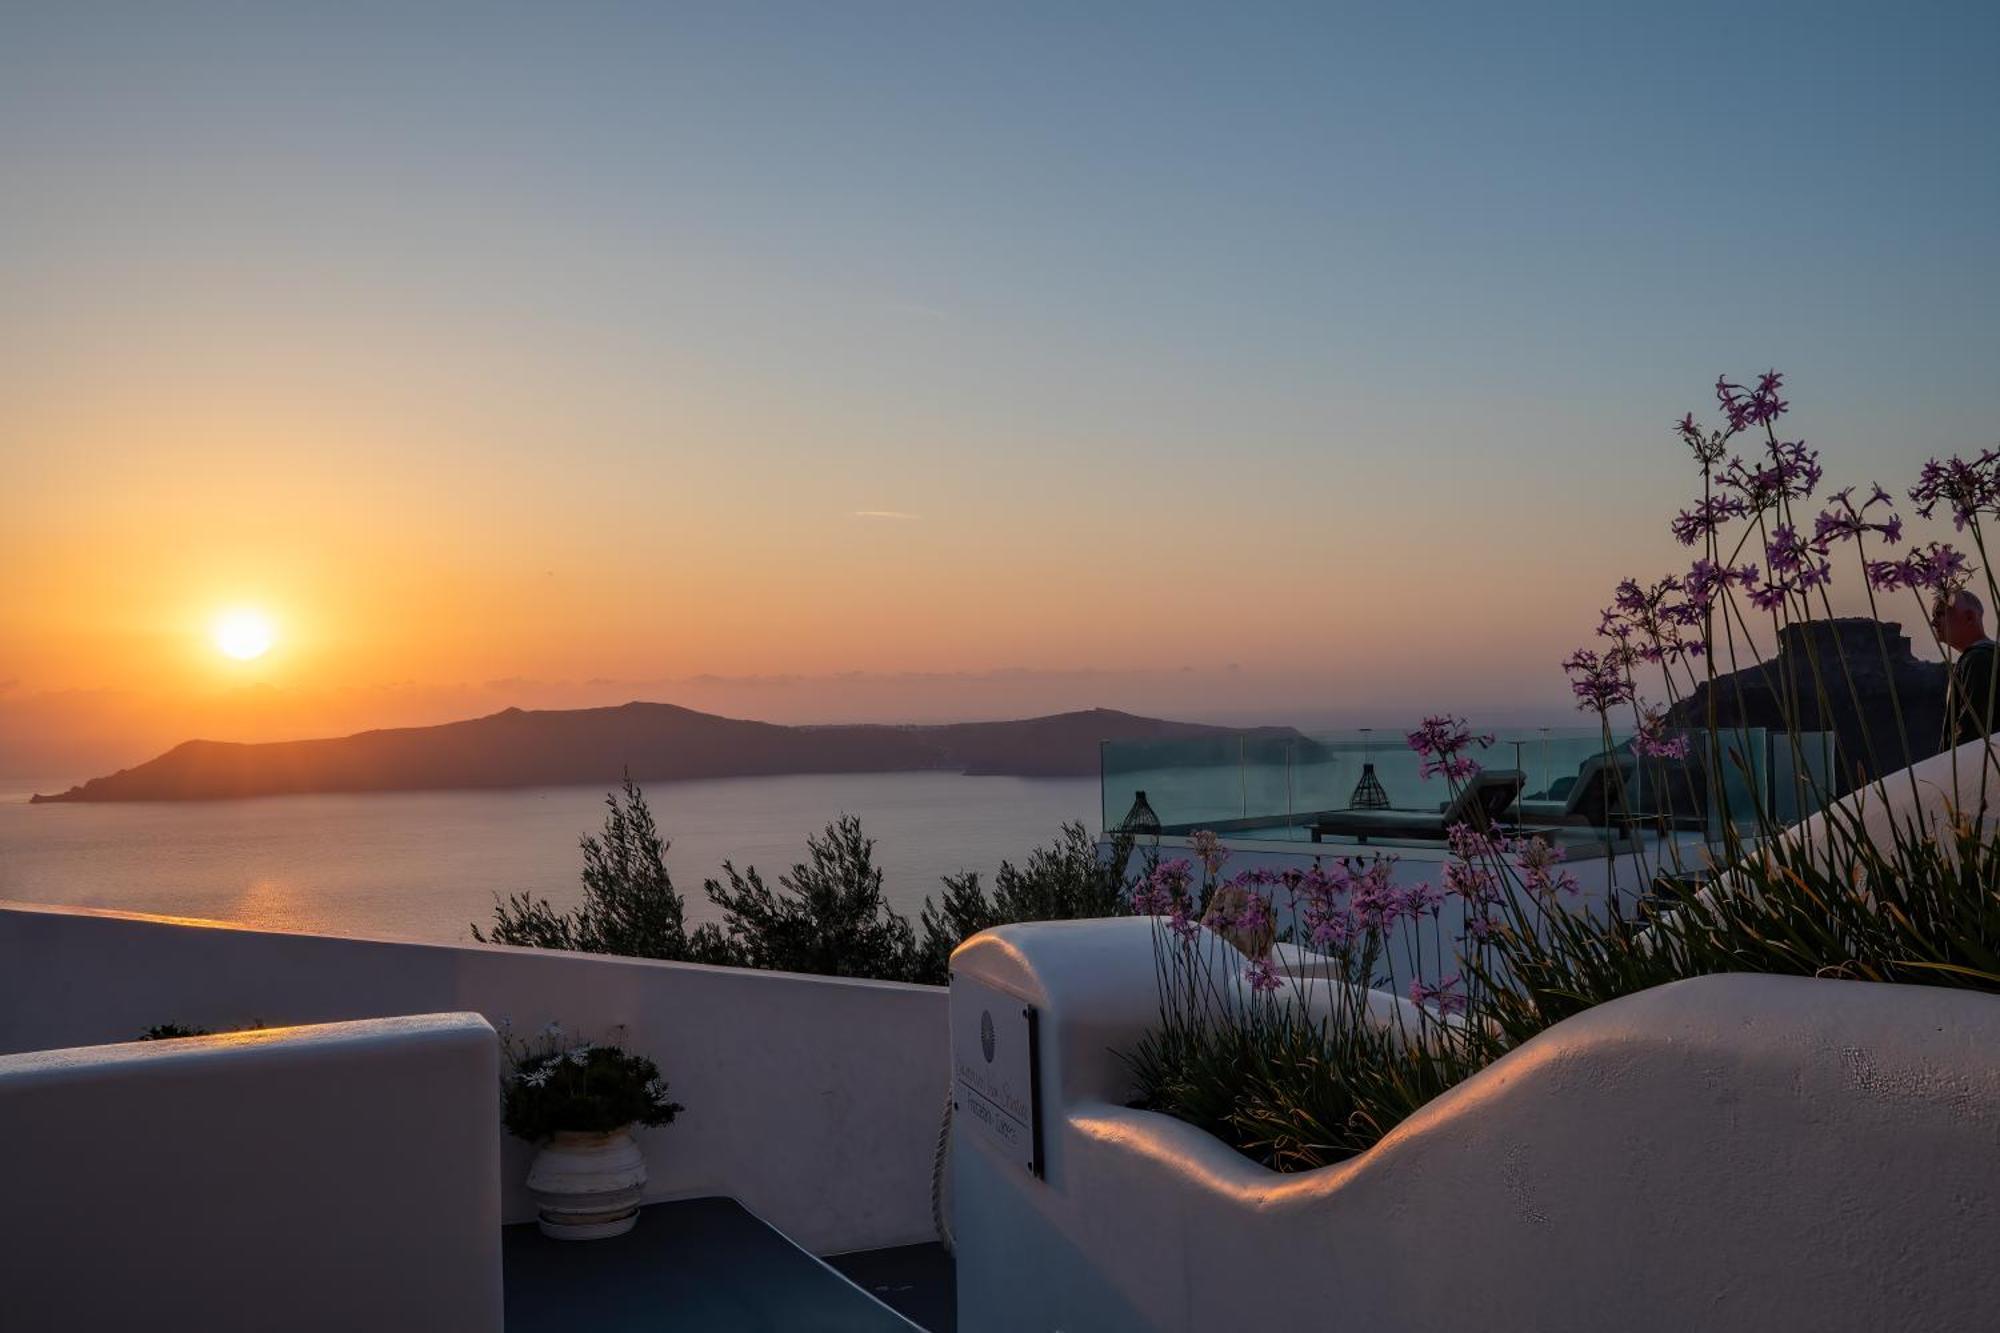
(813, 1100)
(1738, 1152)
(336, 1177)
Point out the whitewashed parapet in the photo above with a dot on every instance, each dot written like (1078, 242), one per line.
(813, 1100)
(331, 1177)
(1731, 1152)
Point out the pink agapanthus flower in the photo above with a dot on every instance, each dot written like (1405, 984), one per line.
(1706, 580)
(1208, 849)
(1598, 680)
(1936, 568)
(1422, 899)
(1441, 743)
(1792, 473)
(1446, 997)
(1263, 976)
(1652, 739)
(1968, 489)
(1372, 896)
(1470, 881)
(1540, 864)
(1691, 526)
(1845, 520)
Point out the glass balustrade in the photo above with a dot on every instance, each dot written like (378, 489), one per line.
(1279, 786)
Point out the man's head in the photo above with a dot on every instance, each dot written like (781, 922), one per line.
(1960, 620)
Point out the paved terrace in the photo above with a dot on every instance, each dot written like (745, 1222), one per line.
(710, 1264)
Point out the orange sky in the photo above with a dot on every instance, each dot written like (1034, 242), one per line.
(429, 550)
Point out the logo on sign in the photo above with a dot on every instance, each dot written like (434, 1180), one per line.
(986, 1035)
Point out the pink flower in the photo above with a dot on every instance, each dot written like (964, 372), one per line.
(1597, 680)
(1372, 896)
(1208, 849)
(1422, 899)
(1469, 842)
(1440, 742)
(1792, 474)
(1334, 930)
(1156, 894)
(1968, 489)
(1472, 883)
(1936, 567)
(1447, 996)
(1846, 521)
(1690, 526)
(1539, 862)
(1263, 976)
(1652, 739)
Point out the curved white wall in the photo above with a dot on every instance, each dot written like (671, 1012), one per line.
(813, 1100)
(1739, 1152)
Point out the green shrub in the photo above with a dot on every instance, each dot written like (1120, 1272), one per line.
(826, 916)
(585, 1088)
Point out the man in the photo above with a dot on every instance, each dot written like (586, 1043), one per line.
(1970, 703)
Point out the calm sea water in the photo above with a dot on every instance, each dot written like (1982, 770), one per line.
(424, 865)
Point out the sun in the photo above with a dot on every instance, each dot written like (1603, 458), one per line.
(244, 634)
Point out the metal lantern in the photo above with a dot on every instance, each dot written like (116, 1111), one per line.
(1368, 793)
(1140, 821)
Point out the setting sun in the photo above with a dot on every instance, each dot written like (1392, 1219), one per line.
(244, 635)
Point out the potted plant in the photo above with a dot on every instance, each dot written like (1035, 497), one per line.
(580, 1101)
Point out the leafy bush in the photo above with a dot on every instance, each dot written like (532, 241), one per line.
(1064, 881)
(175, 1031)
(172, 1032)
(630, 905)
(827, 915)
(1305, 1069)
(583, 1088)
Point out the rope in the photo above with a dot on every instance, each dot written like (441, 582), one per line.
(938, 1160)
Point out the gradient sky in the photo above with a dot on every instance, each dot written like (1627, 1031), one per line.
(930, 360)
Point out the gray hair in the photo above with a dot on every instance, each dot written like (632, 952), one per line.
(1966, 600)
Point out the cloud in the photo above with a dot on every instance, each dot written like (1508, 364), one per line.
(884, 513)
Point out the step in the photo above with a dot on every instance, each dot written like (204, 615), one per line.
(706, 1263)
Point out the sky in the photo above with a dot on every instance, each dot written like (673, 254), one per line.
(820, 362)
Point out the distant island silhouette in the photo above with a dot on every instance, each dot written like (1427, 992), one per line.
(655, 742)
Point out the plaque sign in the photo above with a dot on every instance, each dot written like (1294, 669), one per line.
(996, 1092)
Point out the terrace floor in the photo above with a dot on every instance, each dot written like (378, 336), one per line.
(712, 1264)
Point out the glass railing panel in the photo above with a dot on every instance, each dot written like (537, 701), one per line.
(1278, 787)
(1738, 769)
(1802, 773)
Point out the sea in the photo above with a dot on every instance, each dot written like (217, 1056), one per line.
(427, 865)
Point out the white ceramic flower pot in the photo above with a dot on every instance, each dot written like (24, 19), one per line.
(587, 1186)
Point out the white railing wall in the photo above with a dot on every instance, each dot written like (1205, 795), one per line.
(318, 1178)
(813, 1100)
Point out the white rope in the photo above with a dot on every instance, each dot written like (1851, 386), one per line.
(939, 1220)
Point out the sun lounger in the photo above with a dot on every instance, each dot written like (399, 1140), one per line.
(1671, 789)
(1484, 800)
